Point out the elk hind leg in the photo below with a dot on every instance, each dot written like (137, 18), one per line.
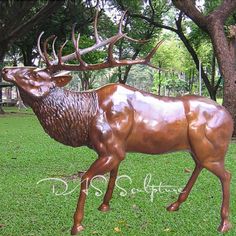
(186, 191)
(218, 169)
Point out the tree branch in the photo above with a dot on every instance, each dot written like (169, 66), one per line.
(148, 35)
(192, 52)
(218, 83)
(19, 9)
(192, 12)
(224, 10)
(44, 12)
(153, 11)
(152, 22)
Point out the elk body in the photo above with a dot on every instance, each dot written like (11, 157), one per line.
(116, 119)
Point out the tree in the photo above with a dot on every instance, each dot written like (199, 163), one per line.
(203, 46)
(213, 24)
(135, 28)
(175, 25)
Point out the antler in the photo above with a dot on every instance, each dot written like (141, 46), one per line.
(59, 61)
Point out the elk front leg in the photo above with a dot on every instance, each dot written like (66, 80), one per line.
(99, 167)
(105, 205)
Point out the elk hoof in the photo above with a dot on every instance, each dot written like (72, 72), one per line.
(104, 208)
(76, 229)
(173, 207)
(224, 226)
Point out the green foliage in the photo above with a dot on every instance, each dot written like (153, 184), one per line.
(196, 36)
(173, 61)
(170, 56)
(210, 6)
(141, 77)
(171, 82)
(85, 42)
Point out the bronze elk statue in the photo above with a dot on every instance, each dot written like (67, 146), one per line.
(116, 119)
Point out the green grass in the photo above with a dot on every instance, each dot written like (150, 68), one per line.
(28, 155)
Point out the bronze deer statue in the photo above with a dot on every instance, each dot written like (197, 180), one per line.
(116, 119)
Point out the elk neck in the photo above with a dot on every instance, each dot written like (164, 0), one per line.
(65, 115)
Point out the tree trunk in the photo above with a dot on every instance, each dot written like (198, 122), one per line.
(127, 68)
(191, 81)
(213, 69)
(84, 84)
(126, 73)
(2, 55)
(159, 75)
(85, 77)
(227, 66)
(229, 100)
(27, 53)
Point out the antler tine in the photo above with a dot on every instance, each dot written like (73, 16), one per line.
(111, 45)
(127, 37)
(76, 46)
(73, 33)
(45, 46)
(121, 21)
(60, 53)
(53, 48)
(136, 40)
(153, 51)
(39, 47)
(95, 27)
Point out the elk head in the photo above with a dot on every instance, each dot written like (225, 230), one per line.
(33, 81)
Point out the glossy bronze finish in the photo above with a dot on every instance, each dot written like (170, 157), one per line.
(116, 119)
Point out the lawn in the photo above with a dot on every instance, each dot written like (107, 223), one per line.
(28, 155)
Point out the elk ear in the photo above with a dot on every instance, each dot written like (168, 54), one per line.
(61, 79)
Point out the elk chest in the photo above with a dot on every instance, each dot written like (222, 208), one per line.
(66, 115)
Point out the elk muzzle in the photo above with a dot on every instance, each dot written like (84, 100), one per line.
(6, 75)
